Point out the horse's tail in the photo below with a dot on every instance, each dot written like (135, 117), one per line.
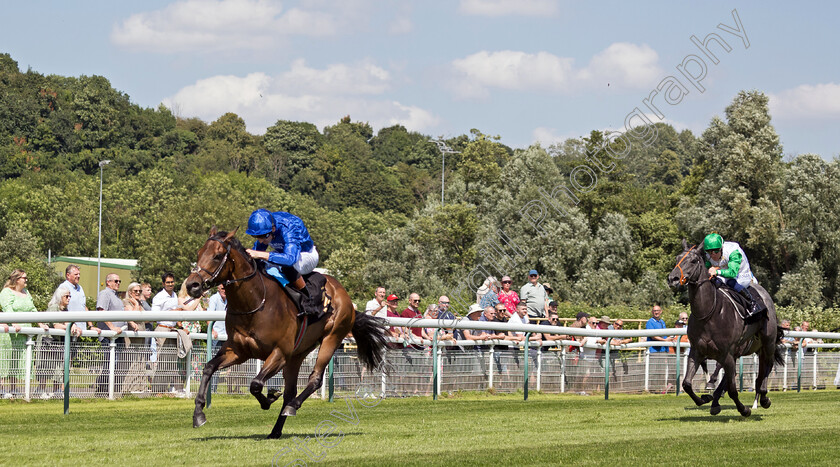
(779, 354)
(369, 333)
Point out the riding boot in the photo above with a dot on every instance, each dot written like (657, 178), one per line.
(752, 308)
(303, 300)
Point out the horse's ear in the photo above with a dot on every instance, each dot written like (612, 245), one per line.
(213, 230)
(232, 234)
(685, 245)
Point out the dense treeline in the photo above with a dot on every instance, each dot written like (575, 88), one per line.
(372, 199)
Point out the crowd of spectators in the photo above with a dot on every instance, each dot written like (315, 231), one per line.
(157, 367)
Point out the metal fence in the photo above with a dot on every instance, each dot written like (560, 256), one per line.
(33, 369)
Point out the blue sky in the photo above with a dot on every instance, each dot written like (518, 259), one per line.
(527, 70)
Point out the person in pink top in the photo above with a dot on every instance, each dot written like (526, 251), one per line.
(508, 297)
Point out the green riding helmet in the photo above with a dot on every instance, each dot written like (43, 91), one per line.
(712, 241)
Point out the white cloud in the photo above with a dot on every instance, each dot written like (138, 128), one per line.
(509, 7)
(302, 94)
(513, 70)
(807, 101)
(623, 65)
(219, 25)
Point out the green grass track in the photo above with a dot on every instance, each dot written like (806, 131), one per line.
(464, 429)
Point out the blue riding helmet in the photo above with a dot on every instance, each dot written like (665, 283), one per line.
(260, 222)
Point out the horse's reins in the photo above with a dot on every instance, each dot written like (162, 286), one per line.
(684, 280)
(206, 282)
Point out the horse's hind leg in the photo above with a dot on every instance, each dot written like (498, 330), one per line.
(316, 378)
(690, 371)
(290, 376)
(225, 358)
(272, 365)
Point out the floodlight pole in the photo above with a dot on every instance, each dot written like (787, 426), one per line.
(444, 150)
(99, 250)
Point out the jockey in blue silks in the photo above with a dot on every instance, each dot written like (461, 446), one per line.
(294, 250)
(728, 263)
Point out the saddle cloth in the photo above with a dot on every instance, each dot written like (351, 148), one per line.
(741, 303)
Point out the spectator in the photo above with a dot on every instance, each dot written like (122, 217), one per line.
(618, 325)
(548, 298)
(51, 353)
(602, 324)
(581, 320)
(412, 312)
(681, 323)
(508, 297)
(502, 315)
(392, 303)
(135, 358)
(164, 358)
(491, 296)
(377, 306)
(794, 344)
(14, 298)
(485, 287)
(533, 294)
(108, 300)
(806, 327)
(145, 295)
(553, 321)
(78, 300)
(521, 317)
(429, 333)
(218, 302)
(190, 364)
(474, 312)
(446, 316)
(656, 322)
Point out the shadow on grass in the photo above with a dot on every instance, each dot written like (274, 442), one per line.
(264, 436)
(724, 417)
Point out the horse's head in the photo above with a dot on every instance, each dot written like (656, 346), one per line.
(214, 264)
(690, 267)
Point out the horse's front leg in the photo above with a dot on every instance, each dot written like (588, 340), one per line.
(290, 376)
(732, 387)
(690, 371)
(272, 365)
(225, 358)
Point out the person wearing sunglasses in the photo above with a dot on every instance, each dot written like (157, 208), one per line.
(294, 251)
(728, 265)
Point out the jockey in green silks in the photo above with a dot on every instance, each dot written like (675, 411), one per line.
(728, 264)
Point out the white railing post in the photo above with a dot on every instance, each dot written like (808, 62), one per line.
(27, 386)
(440, 368)
(784, 371)
(647, 369)
(815, 367)
(539, 366)
(189, 372)
(490, 356)
(112, 350)
(562, 368)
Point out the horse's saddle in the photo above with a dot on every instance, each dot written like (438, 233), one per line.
(316, 286)
(741, 304)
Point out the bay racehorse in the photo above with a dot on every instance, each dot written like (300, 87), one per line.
(717, 331)
(262, 323)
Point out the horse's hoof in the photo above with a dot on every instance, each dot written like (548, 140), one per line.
(746, 412)
(705, 399)
(715, 410)
(289, 411)
(265, 405)
(273, 436)
(765, 402)
(199, 420)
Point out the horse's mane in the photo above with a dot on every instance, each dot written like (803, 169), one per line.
(234, 242)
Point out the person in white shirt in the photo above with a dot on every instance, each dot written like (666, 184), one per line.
(165, 300)
(378, 306)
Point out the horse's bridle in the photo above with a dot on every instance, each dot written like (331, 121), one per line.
(683, 279)
(206, 283)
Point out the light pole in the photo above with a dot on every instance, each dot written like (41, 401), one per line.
(99, 252)
(444, 150)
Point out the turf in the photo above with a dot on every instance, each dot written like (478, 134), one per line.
(464, 429)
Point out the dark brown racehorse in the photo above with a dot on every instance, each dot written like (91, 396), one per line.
(717, 331)
(262, 323)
